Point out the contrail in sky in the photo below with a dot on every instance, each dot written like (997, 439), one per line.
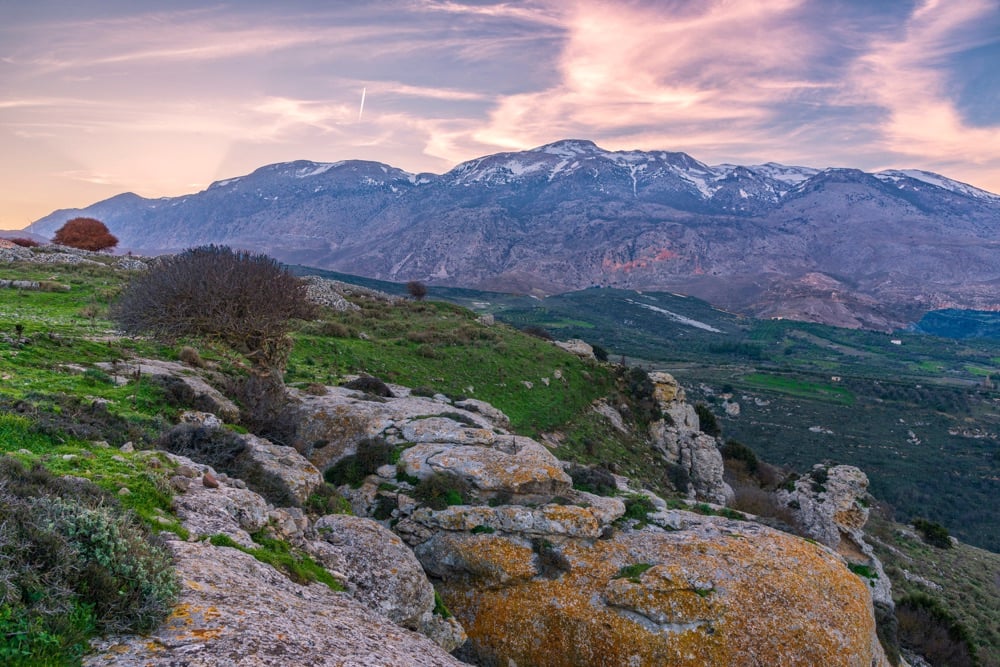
(362, 109)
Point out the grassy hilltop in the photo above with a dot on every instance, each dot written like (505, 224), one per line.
(60, 410)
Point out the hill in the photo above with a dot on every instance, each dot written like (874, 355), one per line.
(76, 398)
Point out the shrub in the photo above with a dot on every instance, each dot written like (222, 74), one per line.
(537, 332)
(638, 506)
(597, 480)
(442, 489)
(244, 300)
(85, 234)
(632, 572)
(927, 628)
(708, 421)
(372, 453)
(24, 242)
(737, 451)
(416, 289)
(679, 477)
(191, 357)
(934, 533)
(600, 353)
(72, 562)
(551, 562)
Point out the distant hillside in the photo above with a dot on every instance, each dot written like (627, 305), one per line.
(839, 246)
(961, 324)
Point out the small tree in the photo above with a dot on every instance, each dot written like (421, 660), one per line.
(85, 234)
(416, 289)
(241, 299)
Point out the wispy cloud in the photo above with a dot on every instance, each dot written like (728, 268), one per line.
(905, 77)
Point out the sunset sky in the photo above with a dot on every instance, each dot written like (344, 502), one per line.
(162, 98)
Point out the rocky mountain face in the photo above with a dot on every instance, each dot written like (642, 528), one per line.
(838, 246)
(534, 571)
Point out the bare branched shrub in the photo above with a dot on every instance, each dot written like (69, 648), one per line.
(241, 299)
(416, 289)
(85, 234)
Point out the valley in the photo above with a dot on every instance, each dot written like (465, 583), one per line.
(914, 411)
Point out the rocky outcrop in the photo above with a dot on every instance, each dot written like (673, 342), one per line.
(578, 347)
(237, 612)
(187, 384)
(536, 572)
(679, 439)
(330, 427)
(282, 470)
(830, 505)
(382, 573)
(518, 468)
(715, 593)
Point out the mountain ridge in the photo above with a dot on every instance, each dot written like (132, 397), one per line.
(835, 245)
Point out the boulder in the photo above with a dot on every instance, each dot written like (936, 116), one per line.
(716, 593)
(278, 472)
(225, 509)
(513, 466)
(382, 573)
(235, 611)
(679, 439)
(578, 347)
(330, 427)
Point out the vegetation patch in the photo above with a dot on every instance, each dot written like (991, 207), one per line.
(280, 555)
(73, 562)
(632, 572)
(442, 489)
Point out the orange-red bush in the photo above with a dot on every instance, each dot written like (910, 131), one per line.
(85, 234)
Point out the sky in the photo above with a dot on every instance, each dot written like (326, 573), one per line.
(162, 98)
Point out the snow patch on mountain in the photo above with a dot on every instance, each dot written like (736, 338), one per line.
(896, 175)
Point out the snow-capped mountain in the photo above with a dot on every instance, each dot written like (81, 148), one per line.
(836, 245)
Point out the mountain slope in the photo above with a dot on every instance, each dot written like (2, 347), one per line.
(839, 246)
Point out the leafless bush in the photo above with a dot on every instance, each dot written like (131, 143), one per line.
(241, 299)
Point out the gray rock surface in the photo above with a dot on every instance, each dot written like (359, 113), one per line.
(237, 612)
(681, 442)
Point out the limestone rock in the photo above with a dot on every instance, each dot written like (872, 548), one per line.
(237, 612)
(515, 466)
(227, 509)
(494, 415)
(282, 470)
(828, 501)
(578, 347)
(716, 593)
(329, 427)
(681, 442)
(547, 520)
(326, 293)
(666, 388)
(382, 571)
(829, 506)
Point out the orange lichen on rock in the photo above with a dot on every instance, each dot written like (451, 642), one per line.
(717, 594)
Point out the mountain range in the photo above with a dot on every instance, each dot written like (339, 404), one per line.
(839, 246)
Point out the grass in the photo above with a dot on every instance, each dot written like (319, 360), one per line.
(280, 555)
(632, 572)
(440, 346)
(143, 474)
(800, 388)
